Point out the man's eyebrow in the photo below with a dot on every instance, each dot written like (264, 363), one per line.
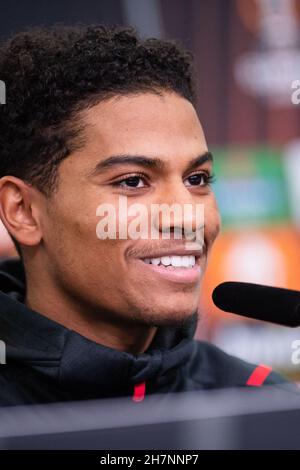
(154, 163)
(200, 160)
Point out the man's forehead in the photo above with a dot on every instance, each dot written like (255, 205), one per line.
(129, 125)
(143, 113)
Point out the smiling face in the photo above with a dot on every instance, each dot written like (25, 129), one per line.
(145, 147)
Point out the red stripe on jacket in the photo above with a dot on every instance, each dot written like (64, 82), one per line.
(259, 375)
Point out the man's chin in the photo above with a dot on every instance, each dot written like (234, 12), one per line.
(172, 319)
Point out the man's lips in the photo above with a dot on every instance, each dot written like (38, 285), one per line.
(170, 273)
(186, 274)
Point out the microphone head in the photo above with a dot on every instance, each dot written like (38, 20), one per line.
(271, 304)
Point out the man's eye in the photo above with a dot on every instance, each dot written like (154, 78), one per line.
(200, 179)
(131, 182)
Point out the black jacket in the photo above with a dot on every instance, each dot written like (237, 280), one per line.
(46, 362)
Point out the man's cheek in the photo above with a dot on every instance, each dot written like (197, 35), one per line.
(212, 226)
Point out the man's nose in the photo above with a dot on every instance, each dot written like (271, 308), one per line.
(180, 214)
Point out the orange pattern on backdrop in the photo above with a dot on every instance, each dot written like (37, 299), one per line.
(268, 256)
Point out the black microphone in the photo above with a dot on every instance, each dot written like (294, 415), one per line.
(271, 304)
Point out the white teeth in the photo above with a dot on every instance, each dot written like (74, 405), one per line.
(192, 260)
(176, 261)
(186, 261)
(165, 260)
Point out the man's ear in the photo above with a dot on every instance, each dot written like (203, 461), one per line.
(19, 210)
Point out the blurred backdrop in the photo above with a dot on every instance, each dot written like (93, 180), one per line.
(247, 54)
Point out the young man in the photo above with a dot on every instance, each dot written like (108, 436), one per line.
(93, 114)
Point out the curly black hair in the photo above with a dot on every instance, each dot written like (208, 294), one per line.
(51, 74)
